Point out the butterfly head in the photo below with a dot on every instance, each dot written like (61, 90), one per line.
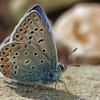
(54, 76)
(62, 67)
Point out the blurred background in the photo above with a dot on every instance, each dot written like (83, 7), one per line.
(75, 24)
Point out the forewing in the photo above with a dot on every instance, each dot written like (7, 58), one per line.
(44, 17)
(22, 62)
(32, 30)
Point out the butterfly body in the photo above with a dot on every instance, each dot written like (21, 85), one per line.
(29, 54)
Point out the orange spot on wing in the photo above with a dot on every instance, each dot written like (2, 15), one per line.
(17, 47)
(5, 59)
(5, 54)
(23, 31)
(7, 72)
(9, 50)
(20, 37)
(25, 45)
(5, 66)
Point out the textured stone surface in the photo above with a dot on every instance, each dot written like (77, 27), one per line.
(79, 27)
(82, 83)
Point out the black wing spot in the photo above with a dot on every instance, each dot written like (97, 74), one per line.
(35, 53)
(28, 19)
(34, 15)
(36, 19)
(22, 78)
(16, 67)
(41, 29)
(2, 66)
(6, 48)
(14, 62)
(2, 59)
(13, 45)
(30, 22)
(33, 67)
(16, 53)
(20, 29)
(26, 53)
(15, 72)
(41, 61)
(36, 29)
(30, 37)
(41, 40)
(32, 32)
(29, 42)
(44, 50)
(14, 57)
(30, 72)
(24, 24)
(3, 52)
(17, 36)
(27, 61)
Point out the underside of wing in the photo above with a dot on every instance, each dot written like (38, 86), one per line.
(22, 62)
(33, 30)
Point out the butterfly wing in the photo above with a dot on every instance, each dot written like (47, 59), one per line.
(33, 30)
(44, 17)
(22, 62)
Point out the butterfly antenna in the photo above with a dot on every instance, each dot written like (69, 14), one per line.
(71, 53)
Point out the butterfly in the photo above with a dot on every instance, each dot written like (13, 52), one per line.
(29, 54)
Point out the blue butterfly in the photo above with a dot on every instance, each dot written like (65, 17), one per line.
(30, 54)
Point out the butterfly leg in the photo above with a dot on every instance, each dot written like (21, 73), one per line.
(61, 81)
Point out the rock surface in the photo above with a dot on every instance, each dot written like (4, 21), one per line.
(79, 27)
(83, 83)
